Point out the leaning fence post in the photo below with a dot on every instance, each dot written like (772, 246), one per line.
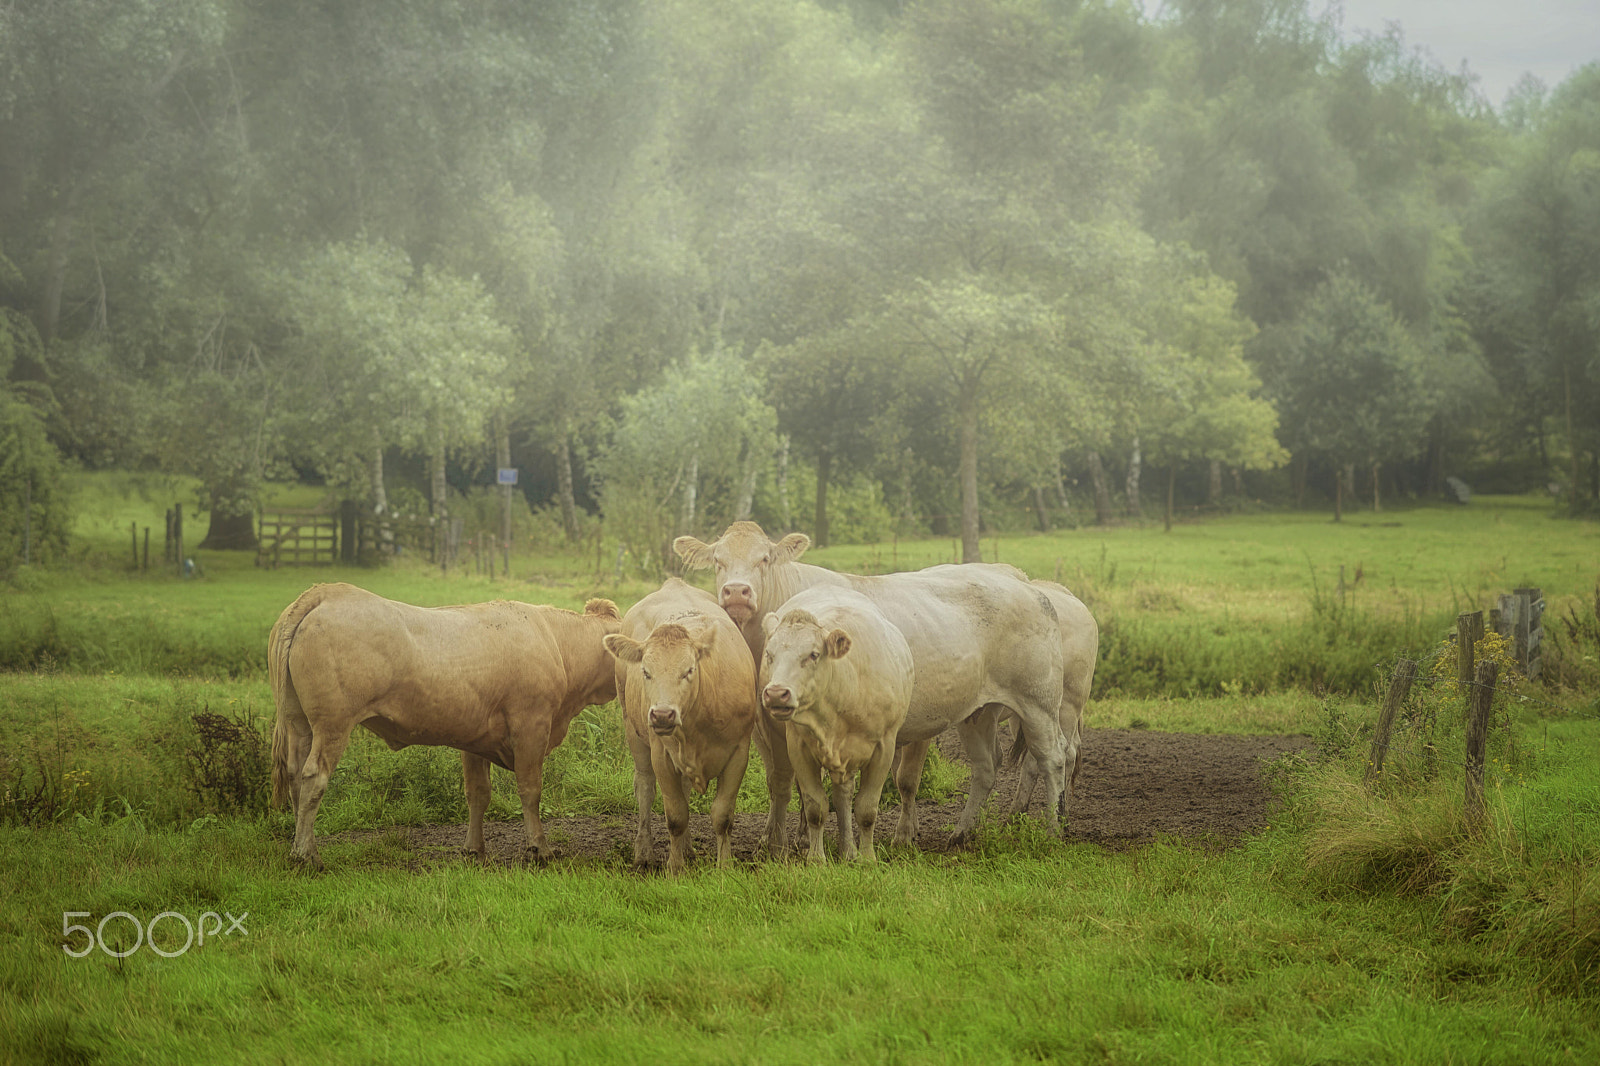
(1405, 671)
(1478, 739)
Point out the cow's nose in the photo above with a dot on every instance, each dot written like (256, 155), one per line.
(663, 719)
(734, 592)
(778, 698)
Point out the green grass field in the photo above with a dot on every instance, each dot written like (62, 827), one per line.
(1361, 926)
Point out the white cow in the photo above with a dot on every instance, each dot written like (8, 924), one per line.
(840, 675)
(1080, 645)
(983, 641)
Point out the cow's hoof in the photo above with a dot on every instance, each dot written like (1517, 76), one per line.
(537, 856)
(309, 863)
(471, 853)
(961, 840)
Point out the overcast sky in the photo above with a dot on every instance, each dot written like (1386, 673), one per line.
(1500, 40)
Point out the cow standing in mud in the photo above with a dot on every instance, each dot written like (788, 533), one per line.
(984, 641)
(500, 681)
(688, 690)
(839, 675)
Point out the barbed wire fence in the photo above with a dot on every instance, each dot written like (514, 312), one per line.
(1479, 682)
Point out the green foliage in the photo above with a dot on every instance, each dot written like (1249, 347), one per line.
(35, 503)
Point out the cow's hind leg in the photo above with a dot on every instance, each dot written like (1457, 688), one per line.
(908, 761)
(977, 738)
(312, 782)
(530, 753)
(475, 775)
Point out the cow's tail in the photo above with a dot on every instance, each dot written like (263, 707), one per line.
(284, 697)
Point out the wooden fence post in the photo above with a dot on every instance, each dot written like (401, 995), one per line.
(1478, 739)
(1469, 630)
(133, 527)
(147, 547)
(1405, 671)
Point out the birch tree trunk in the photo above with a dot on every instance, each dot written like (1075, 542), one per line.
(569, 505)
(1132, 485)
(747, 484)
(1102, 491)
(783, 483)
(691, 489)
(1039, 509)
(1061, 492)
(502, 459)
(380, 495)
(820, 519)
(971, 549)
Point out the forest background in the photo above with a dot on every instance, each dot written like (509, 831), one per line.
(861, 268)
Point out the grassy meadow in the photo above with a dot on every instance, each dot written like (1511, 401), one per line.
(1363, 925)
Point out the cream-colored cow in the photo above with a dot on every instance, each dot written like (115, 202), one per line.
(984, 642)
(688, 692)
(839, 674)
(500, 681)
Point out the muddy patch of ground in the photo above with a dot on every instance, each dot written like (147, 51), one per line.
(1133, 786)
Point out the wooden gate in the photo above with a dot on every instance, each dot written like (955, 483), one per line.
(298, 538)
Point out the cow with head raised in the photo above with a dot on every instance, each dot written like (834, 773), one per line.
(983, 642)
(687, 686)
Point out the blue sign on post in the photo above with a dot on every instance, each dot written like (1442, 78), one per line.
(508, 475)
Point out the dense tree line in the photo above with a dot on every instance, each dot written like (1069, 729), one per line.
(942, 265)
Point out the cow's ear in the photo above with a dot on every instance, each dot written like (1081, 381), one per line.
(703, 640)
(837, 644)
(696, 554)
(769, 625)
(625, 648)
(599, 608)
(790, 548)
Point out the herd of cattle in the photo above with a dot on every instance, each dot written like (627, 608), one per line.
(830, 674)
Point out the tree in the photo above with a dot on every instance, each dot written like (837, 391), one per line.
(1538, 282)
(1351, 385)
(703, 426)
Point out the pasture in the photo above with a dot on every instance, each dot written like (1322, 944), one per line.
(1348, 926)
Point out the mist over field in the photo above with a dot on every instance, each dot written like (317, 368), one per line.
(1276, 344)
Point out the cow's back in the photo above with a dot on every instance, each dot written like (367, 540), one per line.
(977, 635)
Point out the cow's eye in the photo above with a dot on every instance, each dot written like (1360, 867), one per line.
(646, 673)
(687, 674)
(812, 657)
(765, 559)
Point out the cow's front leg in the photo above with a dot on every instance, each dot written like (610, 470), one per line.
(675, 801)
(907, 779)
(728, 782)
(773, 743)
(873, 776)
(977, 738)
(844, 789)
(644, 798)
(813, 801)
(475, 773)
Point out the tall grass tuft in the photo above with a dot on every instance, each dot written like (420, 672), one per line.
(1526, 881)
